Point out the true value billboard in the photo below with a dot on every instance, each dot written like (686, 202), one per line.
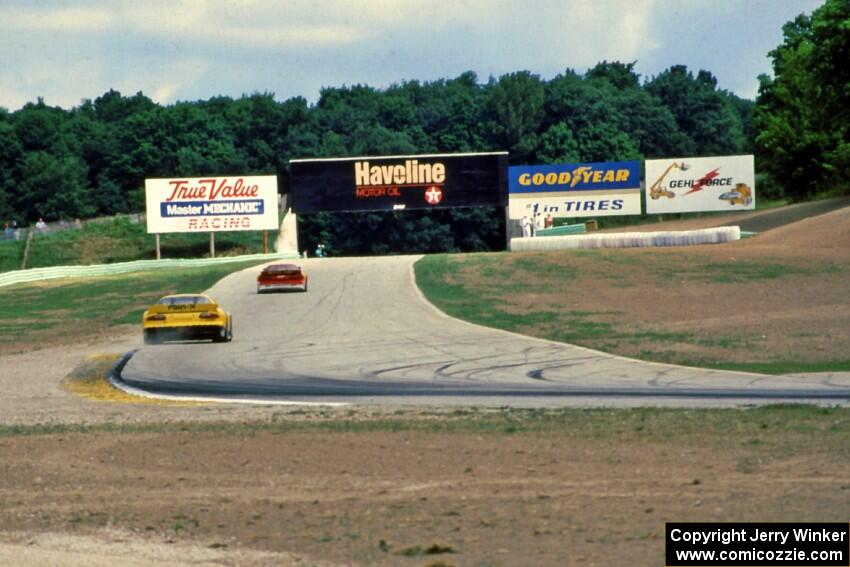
(212, 204)
(682, 185)
(399, 182)
(575, 189)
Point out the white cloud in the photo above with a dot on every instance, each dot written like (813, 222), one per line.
(634, 28)
(67, 50)
(550, 36)
(10, 98)
(56, 20)
(246, 22)
(606, 30)
(60, 82)
(164, 84)
(264, 24)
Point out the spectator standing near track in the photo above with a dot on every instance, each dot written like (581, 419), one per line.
(539, 223)
(525, 223)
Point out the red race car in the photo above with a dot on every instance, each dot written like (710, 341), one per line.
(281, 276)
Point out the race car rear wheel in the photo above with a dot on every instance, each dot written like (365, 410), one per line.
(225, 334)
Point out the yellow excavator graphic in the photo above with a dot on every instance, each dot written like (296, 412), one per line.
(657, 191)
(741, 195)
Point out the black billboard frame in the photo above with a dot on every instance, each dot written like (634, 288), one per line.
(399, 182)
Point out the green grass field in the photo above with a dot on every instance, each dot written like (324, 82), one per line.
(484, 289)
(773, 426)
(45, 311)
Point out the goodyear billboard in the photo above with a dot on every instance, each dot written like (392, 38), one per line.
(211, 204)
(682, 185)
(575, 189)
(399, 182)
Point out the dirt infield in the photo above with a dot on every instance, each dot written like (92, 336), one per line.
(187, 485)
(780, 296)
(420, 497)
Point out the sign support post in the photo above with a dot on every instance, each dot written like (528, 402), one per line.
(508, 229)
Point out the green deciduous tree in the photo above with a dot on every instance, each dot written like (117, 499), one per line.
(11, 154)
(93, 159)
(515, 110)
(802, 115)
(703, 113)
(53, 187)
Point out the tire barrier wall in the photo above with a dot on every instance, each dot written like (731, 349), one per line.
(36, 274)
(628, 239)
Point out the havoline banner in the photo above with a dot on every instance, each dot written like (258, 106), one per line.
(682, 185)
(399, 182)
(575, 189)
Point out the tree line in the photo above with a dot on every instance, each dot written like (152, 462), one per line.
(802, 113)
(93, 159)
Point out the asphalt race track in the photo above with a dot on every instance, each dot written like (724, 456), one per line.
(780, 216)
(364, 334)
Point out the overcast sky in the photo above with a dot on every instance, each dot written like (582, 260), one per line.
(67, 51)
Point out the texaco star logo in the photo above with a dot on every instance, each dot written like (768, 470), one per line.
(433, 195)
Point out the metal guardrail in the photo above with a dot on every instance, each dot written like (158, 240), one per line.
(38, 274)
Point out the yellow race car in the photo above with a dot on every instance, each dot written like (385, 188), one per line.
(186, 317)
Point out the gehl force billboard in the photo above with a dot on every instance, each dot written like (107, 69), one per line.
(399, 182)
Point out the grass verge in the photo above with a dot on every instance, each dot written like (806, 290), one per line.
(763, 425)
(538, 295)
(41, 312)
(780, 367)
